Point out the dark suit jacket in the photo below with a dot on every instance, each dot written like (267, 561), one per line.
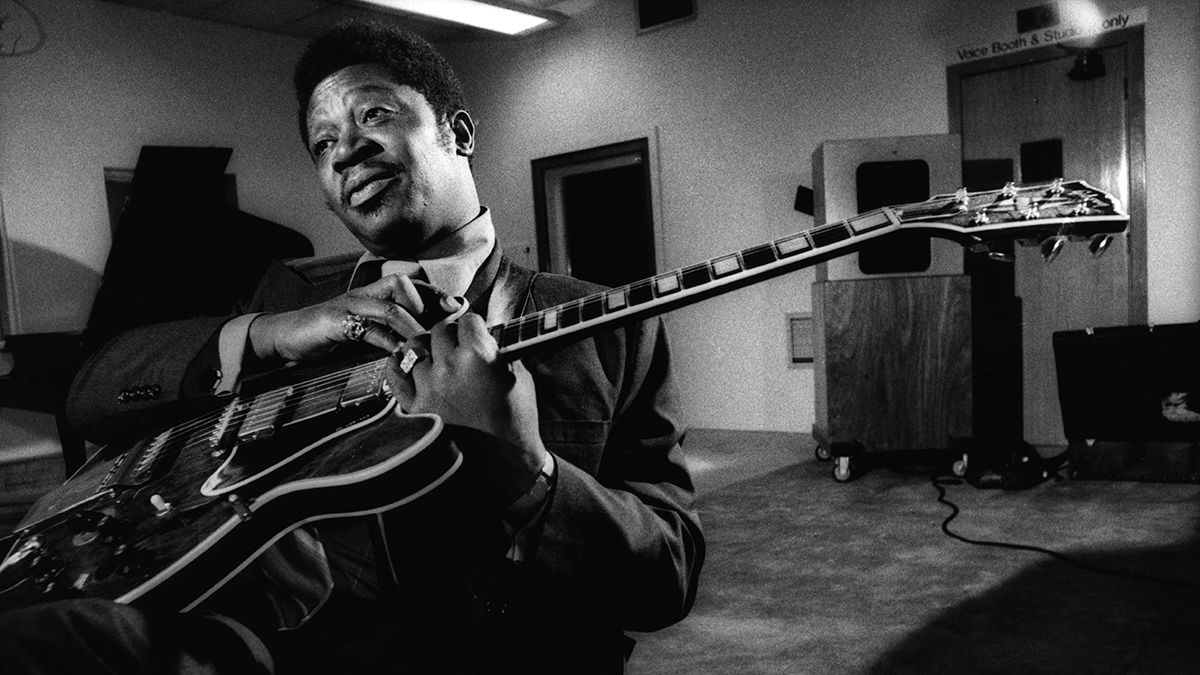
(620, 545)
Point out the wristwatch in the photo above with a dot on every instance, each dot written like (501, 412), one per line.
(527, 504)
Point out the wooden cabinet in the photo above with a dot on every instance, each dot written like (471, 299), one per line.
(892, 363)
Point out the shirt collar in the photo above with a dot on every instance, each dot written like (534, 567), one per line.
(452, 262)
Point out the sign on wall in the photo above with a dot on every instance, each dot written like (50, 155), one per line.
(1076, 26)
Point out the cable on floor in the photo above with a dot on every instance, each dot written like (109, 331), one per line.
(940, 485)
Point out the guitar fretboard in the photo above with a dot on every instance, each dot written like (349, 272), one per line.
(1009, 213)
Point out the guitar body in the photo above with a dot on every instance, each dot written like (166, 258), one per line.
(132, 525)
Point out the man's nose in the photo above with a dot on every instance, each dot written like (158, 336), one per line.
(352, 148)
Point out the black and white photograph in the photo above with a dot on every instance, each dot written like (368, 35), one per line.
(657, 337)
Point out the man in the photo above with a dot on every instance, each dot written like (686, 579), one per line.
(571, 518)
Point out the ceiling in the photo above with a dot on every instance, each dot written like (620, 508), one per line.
(305, 18)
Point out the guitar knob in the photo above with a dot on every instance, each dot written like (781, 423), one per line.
(162, 507)
(1052, 246)
(1099, 244)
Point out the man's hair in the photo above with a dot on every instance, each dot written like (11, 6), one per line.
(411, 60)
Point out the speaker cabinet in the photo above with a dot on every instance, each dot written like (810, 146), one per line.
(892, 362)
(860, 175)
(891, 322)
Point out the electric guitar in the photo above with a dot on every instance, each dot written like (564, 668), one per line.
(164, 520)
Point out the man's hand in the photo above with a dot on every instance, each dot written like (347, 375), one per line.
(391, 307)
(464, 382)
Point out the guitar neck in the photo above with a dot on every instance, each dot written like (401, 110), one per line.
(1055, 209)
(549, 328)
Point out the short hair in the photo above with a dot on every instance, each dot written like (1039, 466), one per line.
(410, 58)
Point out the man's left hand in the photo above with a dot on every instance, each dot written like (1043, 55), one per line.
(466, 383)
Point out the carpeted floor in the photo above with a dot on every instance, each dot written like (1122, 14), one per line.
(807, 575)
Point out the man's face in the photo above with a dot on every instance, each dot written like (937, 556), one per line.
(395, 174)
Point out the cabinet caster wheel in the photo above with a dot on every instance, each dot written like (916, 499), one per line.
(843, 471)
(822, 453)
(959, 467)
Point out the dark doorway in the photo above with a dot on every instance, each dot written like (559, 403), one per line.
(594, 213)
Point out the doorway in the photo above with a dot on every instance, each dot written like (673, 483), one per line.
(594, 213)
(1028, 115)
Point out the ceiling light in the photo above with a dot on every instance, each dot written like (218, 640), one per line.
(471, 13)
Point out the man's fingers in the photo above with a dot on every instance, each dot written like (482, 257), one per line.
(388, 314)
(473, 333)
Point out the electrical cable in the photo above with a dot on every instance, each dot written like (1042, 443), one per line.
(940, 485)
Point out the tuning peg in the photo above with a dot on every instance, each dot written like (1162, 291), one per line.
(962, 200)
(1052, 246)
(1099, 244)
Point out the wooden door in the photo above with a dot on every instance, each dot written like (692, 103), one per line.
(1027, 109)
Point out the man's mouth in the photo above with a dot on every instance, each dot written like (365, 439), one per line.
(365, 190)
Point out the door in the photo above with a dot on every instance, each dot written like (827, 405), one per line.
(1042, 113)
(594, 213)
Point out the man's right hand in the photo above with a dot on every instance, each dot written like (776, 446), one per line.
(390, 307)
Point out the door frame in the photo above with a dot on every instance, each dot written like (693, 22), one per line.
(1135, 120)
(548, 173)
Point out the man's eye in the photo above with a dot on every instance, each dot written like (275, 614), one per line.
(372, 114)
(319, 147)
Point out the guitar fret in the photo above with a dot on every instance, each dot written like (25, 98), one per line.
(509, 334)
(696, 275)
(868, 222)
(640, 293)
(666, 284)
(830, 234)
(570, 315)
(726, 265)
(529, 328)
(789, 246)
(593, 306)
(757, 256)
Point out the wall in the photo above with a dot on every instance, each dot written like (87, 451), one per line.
(108, 80)
(739, 98)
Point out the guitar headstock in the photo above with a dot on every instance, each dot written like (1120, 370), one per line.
(1045, 214)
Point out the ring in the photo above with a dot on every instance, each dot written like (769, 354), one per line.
(354, 327)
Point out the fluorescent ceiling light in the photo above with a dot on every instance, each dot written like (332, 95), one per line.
(471, 13)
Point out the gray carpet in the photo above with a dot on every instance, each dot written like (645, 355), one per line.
(806, 575)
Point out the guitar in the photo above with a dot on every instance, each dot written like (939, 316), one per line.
(165, 520)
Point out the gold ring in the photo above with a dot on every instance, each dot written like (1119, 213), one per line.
(354, 327)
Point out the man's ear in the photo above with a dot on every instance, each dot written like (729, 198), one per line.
(463, 129)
